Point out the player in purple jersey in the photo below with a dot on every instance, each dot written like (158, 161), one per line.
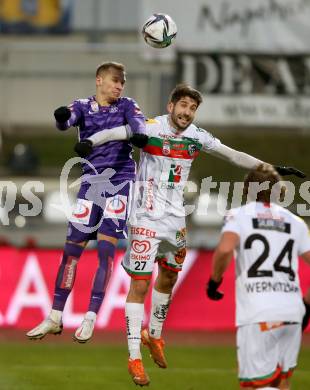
(102, 204)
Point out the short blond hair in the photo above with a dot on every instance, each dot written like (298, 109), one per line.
(263, 173)
(106, 66)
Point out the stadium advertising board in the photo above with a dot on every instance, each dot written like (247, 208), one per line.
(27, 282)
(248, 89)
(265, 26)
(40, 16)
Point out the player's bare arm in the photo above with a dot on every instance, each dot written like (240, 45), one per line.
(221, 260)
(306, 318)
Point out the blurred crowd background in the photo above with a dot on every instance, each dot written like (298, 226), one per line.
(250, 60)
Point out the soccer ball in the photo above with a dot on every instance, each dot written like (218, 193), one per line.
(159, 31)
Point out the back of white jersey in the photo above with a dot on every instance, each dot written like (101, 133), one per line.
(267, 282)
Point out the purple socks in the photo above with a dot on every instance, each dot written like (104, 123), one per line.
(66, 274)
(106, 252)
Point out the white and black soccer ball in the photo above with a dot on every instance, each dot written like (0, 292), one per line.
(159, 31)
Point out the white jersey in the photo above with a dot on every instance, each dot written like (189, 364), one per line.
(164, 167)
(267, 282)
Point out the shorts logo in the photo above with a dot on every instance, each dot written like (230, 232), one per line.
(181, 238)
(82, 211)
(141, 246)
(116, 207)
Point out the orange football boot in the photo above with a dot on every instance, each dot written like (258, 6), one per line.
(156, 347)
(137, 372)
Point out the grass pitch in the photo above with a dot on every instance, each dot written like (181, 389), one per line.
(64, 365)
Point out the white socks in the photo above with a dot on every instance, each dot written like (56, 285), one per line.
(134, 313)
(160, 306)
(56, 315)
(134, 317)
(90, 315)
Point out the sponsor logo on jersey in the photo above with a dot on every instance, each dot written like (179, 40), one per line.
(192, 148)
(167, 136)
(171, 186)
(94, 106)
(178, 146)
(175, 173)
(113, 110)
(149, 194)
(142, 232)
(115, 207)
(141, 246)
(166, 147)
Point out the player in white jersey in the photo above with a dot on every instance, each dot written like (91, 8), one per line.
(269, 309)
(157, 222)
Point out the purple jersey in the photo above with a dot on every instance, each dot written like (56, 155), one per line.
(89, 117)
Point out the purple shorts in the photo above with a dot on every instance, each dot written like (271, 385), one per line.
(100, 208)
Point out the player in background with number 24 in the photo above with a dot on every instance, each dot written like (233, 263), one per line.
(269, 307)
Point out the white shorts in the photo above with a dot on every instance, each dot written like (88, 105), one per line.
(164, 243)
(267, 351)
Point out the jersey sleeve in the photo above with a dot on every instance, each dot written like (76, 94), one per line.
(304, 245)
(76, 114)
(135, 117)
(209, 142)
(231, 222)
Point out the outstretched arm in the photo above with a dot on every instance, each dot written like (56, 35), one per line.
(240, 159)
(245, 160)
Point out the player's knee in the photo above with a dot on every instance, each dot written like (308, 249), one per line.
(284, 384)
(168, 277)
(139, 288)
